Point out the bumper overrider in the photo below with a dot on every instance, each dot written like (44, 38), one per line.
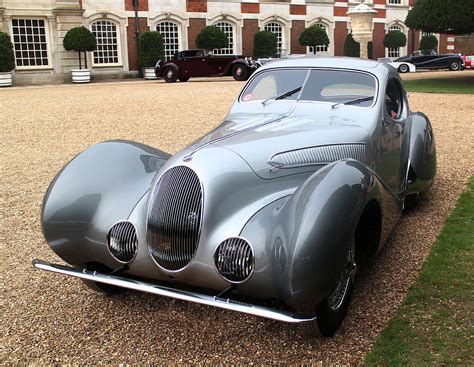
(138, 285)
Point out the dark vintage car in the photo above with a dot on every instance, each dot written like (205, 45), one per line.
(201, 63)
(433, 60)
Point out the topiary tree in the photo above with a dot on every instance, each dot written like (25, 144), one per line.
(314, 36)
(80, 39)
(151, 49)
(395, 39)
(265, 44)
(210, 38)
(428, 43)
(7, 57)
(351, 47)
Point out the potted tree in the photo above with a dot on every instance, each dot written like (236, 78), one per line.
(351, 46)
(210, 38)
(150, 51)
(428, 43)
(314, 36)
(7, 60)
(395, 39)
(264, 44)
(81, 40)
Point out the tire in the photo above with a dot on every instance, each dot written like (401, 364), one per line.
(455, 66)
(170, 75)
(333, 309)
(403, 68)
(184, 79)
(412, 200)
(96, 286)
(240, 72)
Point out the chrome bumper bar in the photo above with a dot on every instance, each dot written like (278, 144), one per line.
(203, 299)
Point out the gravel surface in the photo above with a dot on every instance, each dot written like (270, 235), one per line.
(48, 318)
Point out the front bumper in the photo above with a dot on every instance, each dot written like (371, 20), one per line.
(203, 299)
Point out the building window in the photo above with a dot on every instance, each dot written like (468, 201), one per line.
(394, 52)
(278, 30)
(106, 35)
(170, 33)
(228, 29)
(29, 38)
(322, 48)
(395, 2)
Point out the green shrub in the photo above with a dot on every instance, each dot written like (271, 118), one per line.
(7, 57)
(80, 39)
(395, 39)
(210, 38)
(265, 44)
(351, 47)
(428, 43)
(151, 49)
(314, 36)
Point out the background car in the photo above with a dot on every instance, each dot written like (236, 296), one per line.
(270, 214)
(200, 63)
(468, 61)
(402, 67)
(433, 60)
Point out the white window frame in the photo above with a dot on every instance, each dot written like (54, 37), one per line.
(394, 53)
(169, 55)
(227, 50)
(118, 43)
(281, 41)
(48, 43)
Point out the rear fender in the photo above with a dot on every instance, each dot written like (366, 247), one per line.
(96, 189)
(159, 72)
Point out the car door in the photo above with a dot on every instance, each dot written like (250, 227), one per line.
(390, 155)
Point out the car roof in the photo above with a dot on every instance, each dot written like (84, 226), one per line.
(350, 63)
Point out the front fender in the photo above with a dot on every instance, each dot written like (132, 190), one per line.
(96, 189)
(305, 237)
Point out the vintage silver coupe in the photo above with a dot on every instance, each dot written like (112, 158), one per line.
(269, 214)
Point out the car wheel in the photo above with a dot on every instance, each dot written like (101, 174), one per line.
(170, 75)
(96, 286)
(184, 79)
(403, 68)
(455, 66)
(332, 310)
(412, 200)
(240, 72)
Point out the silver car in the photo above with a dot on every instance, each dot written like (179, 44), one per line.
(269, 214)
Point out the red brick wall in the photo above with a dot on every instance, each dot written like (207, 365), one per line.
(132, 44)
(464, 45)
(249, 29)
(378, 49)
(296, 29)
(252, 8)
(340, 34)
(298, 9)
(198, 6)
(142, 5)
(340, 11)
(195, 26)
(443, 44)
(413, 35)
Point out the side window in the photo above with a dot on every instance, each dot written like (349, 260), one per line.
(393, 99)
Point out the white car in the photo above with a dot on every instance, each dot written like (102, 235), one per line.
(402, 67)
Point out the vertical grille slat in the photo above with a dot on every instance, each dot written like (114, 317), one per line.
(174, 218)
(122, 241)
(234, 259)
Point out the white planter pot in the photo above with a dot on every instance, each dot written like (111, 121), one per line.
(149, 73)
(6, 79)
(81, 75)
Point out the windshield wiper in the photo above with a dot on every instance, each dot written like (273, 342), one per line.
(284, 95)
(354, 101)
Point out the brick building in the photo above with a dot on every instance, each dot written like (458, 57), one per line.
(37, 28)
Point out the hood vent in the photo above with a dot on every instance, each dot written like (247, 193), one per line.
(319, 155)
(174, 218)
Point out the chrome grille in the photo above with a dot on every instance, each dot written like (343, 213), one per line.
(323, 154)
(174, 218)
(122, 241)
(234, 259)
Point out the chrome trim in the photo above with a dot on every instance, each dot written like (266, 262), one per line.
(135, 249)
(253, 260)
(138, 285)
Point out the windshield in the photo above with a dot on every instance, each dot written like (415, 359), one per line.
(333, 86)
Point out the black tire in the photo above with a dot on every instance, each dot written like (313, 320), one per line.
(455, 66)
(184, 79)
(332, 310)
(403, 68)
(100, 287)
(170, 75)
(240, 72)
(412, 200)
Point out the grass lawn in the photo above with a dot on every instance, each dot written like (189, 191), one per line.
(434, 325)
(461, 84)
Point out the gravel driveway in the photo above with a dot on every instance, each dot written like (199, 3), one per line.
(48, 318)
